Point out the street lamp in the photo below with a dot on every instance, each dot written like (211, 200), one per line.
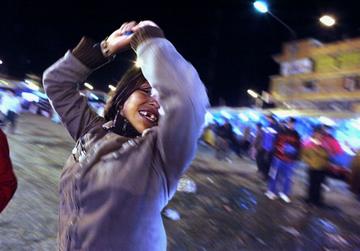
(89, 86)
(1, 62)
(252, 93)
(257, 97)
(327, 20)
(262, 7)
(112, 88)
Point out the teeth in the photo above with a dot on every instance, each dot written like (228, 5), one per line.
(148, 115)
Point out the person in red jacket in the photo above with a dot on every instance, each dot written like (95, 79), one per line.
(8, 183)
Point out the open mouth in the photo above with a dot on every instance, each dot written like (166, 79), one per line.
(150, 116)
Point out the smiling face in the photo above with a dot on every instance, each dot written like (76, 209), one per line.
(141, 109)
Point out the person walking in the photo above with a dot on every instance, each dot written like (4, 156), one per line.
(316, 157)
(286, 152)
(125, 167)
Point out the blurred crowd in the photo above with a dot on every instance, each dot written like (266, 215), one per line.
(278, 149)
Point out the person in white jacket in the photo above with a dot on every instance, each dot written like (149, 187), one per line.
(10, 107)
(125, 167)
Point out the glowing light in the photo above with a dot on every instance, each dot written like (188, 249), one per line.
(254, 116)
(1, 62)
(226, 114)
(138, 63)
(112, 88)
(94, 96)
(208, 118)
(4, 82)
(237, 131)
(261, 6)
(243, 117)
(327, 121)
(252, 93)
(327, 20)
(30, 97)
(89, 86)
(32, 85)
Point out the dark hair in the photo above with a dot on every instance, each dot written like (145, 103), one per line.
(318, 129)
(131, 81)
(292, 120)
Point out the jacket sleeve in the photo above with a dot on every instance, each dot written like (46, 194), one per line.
(183, 98)
(8, 183)
(61, 86)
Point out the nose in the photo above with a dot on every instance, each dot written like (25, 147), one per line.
(153, 102)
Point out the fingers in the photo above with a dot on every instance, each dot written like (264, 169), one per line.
(144, 23)
(126, 27)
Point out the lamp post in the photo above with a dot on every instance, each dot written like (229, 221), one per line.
(257, 97)
(89, 86)
(262, 7)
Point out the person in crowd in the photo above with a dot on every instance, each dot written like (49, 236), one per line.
(245, 142)
(225, 139)
(264, 154)
(286, 152)
(10, 107)
(209, 135)
(316, 157)
(355, 175)
(8, 183)
(125, 167)
(256, 144)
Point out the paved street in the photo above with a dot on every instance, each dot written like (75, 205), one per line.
(228, 211)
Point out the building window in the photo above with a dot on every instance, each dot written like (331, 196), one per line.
(310, 86)
(351, 83)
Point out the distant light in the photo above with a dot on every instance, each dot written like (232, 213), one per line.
(138, 63)
(32, 85)
(254, 116)
(237, 131)
(252, 93)
(327, 20)
(4, 82)
(226, 114)
(30, 97)
(327, 121)
(209, 118)
(112, 88)
(94, 96)
(243, 117)
(89, 86)
(1, 62)
(261, 6)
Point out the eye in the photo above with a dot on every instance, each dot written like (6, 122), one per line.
(146, 91)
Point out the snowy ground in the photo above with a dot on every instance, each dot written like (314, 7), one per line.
(228, 211)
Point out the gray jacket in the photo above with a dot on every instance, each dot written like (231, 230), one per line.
(112, 188)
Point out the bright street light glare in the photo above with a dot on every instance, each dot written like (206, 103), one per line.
(33, 86)
(112, 88)
(261, 6)
(89, 86)
(1, 62)
(252, 93)
(327, 20)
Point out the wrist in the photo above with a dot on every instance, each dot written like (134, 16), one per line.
(105, 49)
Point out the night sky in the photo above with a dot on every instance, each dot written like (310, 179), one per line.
(228, 42)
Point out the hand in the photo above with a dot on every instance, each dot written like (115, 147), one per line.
(119, 40)
(143, 24)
